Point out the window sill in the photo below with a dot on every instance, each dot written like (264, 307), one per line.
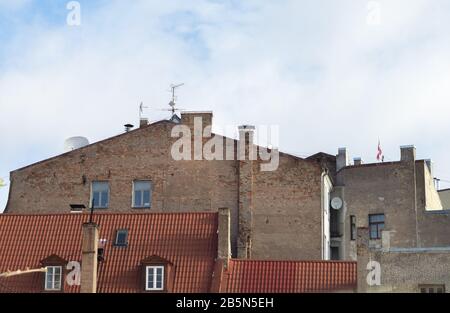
(53, 291)
(156, 291)
(142, 207)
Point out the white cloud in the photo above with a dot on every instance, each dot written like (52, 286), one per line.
(313, 67)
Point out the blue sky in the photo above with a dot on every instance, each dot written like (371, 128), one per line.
(320, 69)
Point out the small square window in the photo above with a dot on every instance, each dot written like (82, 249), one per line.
(154, 278)
(53, 278)
(121, 237)
(100, 195)
(142, 194)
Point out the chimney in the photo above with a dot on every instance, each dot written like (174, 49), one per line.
(128, 127)
(246, 155)
(224, 244)
(89, 258)
(143, 122)
(246, 148)
(341, 159)
(429, 164)
(357, 161)
(408, 153)
(188, 118)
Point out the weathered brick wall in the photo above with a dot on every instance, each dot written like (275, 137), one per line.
(403, 191)
(288, 198)
(384, 188)
(402, 271)
(444, 195)
(52, 185)
(287, 214)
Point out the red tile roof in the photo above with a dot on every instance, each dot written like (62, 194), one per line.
(188, 240)
(253, 276)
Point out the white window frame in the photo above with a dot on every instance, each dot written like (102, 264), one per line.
(133, 203)
(99, 200)
(154, 269)
(53, 288)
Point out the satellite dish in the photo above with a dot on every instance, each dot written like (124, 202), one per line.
(74, 143)
(336, 203)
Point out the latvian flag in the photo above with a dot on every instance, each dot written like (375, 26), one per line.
(380, 156)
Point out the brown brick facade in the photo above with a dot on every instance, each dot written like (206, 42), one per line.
(285, 214)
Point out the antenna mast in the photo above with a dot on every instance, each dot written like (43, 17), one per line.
(141, 109)
(174, 98)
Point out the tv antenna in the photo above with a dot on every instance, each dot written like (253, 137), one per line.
(141, 109)
(174, 98)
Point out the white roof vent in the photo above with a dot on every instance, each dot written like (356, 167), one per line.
(74, 143)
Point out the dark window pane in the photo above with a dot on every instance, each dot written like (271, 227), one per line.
(96, 199)
(104, 199)
(373, 232)
(138, 198)
(49, 279)
(121, 238)
(352, 227)
(146, 198)
(150, 278)
(378, 218)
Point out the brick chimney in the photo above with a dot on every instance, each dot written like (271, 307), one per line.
(408, 153)
(246, 155)
(223, 231)
(187, 118)
(143, 122)
(341, 159)
(197, 122)
(357, 161)
(89, 258)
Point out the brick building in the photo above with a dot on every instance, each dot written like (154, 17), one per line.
(281, 214)
(397, 197)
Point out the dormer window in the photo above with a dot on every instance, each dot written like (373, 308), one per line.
(53, 278)
(157, 274)
(154, 278)
(121, 238)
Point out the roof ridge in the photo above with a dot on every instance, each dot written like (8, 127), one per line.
(293, 261)
(110, 213)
